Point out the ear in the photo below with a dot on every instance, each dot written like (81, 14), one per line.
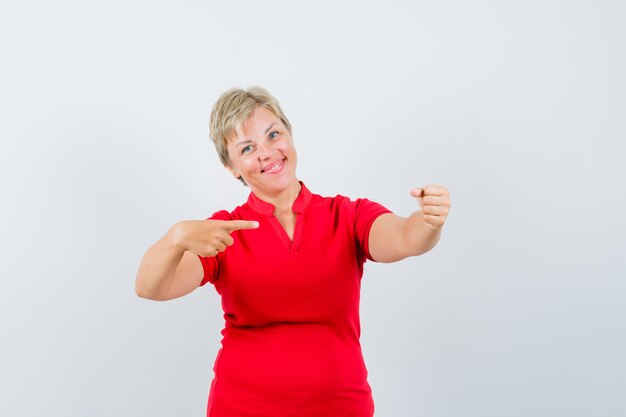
(234, 173)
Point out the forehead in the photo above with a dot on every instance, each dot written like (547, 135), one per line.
(255, 125)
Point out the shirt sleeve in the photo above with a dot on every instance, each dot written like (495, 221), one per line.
(210, 264)
(365, 212)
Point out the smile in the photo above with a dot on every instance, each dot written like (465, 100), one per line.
(274, 167)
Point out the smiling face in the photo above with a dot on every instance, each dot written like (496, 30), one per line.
(262, 153)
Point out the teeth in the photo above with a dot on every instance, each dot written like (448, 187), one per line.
(274, 167)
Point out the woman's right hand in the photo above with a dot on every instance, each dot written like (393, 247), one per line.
(207, 237)
(170, 268)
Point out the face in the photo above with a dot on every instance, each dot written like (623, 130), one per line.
(262, 152)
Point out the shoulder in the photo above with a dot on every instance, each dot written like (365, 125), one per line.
(220, 215)
(328, 202)
(347, 202)
(236, 214)
(347, 205)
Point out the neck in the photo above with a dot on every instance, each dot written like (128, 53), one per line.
(283, 200)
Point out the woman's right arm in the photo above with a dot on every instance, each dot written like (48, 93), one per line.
(171, 268)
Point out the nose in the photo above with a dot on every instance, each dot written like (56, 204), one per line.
(266, 150)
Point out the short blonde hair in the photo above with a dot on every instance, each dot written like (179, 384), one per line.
(231, 111)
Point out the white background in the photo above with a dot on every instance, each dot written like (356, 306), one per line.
(518, 107)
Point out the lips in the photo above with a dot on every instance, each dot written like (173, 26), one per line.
(274, 167)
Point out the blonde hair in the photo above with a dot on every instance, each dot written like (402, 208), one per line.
(231, 111)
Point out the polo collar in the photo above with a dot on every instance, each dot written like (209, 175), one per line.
(267, 209)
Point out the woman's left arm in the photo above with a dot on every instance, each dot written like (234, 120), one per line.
(393, 238)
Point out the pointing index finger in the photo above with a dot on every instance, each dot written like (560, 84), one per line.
(233, 225)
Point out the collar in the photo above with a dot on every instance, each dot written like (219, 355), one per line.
(265, 208)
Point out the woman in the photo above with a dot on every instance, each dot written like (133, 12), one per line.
(288, 265)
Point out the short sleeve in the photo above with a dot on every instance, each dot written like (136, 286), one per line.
(210, 264)
(365, 212)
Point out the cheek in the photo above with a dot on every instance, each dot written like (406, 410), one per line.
(286, 147)
(248, 164)
(292, 149)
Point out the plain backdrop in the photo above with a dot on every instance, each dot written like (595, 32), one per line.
(518, 107)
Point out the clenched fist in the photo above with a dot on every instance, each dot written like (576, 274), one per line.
(208, 237)
(435, 203)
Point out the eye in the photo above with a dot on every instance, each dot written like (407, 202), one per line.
(274, 135)
(246, 149)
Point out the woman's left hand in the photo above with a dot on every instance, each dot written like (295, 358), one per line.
(435, 203)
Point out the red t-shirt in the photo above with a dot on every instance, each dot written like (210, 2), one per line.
(290, 343)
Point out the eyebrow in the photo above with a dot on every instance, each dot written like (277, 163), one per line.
(241, 142)
(270, 126)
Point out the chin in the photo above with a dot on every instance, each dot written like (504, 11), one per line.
(276, 184)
